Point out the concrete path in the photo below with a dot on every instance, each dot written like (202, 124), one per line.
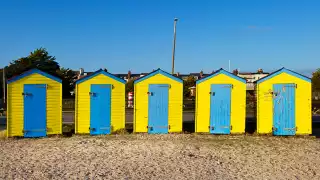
(68, 117)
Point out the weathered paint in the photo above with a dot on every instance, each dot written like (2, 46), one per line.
(15, 102)
(82, 112)
(283, 109)
(265, 100)
(141, 100)
(238, 101)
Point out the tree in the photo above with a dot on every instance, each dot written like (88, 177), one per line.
(41, 60)
(67, 76)
(190, 82)
(316, 80)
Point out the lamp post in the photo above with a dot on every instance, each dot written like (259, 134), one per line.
(174, 43)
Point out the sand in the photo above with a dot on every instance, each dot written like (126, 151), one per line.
(173, 156)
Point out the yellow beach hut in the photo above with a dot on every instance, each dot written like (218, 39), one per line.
(220, 103)
(34, 106)
(100, 104)
(158, 99)
(284, 103)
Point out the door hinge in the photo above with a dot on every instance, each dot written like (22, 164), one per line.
(213, 93)
(230, 127)
(169, 127)
(92, 129)
(150, 93)
(274, 128)
(150, 127)
(26, 94)
(91, 93)
(211, 127)
(296, 85)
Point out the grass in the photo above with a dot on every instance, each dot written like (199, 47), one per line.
(3, 134)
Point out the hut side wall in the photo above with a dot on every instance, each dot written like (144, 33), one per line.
(303, 115)
(82, 112)
(141, 103)
(238, 103)
(15, 104)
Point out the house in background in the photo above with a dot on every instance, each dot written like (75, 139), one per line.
(251, 77)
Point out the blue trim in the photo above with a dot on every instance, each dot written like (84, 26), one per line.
(159, 71)
(98, 73)
(283, 70)
(33, 71)
(221, 71)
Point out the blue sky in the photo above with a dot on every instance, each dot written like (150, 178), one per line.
(137, 34)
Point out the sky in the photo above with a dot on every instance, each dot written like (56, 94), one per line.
(137, 35)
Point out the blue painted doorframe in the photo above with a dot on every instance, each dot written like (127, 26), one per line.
(100, 109)
(284, 109)
(220, 99)
(158, 109)
(35, 110)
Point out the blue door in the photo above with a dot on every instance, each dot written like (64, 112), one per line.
(158, 109)
(284, 109)
(220, 99)
(100, 109)
(35, 110)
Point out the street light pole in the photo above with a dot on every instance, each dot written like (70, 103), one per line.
(174, 43)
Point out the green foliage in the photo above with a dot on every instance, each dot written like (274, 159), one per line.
(316, 80)
(67, 76)
(190, 82)
(41, 60)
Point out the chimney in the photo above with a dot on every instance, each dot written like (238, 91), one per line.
(106, 70)
(201, 73)
(260, 71)
(129, 75)
(178, 74)
(81, 71)
(235, 72)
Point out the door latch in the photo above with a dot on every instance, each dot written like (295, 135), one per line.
(211, 127)
(150, 93)
(91, 93)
